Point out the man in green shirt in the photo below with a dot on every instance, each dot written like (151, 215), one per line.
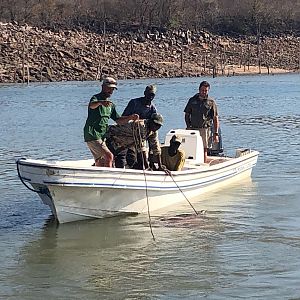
(100, 110)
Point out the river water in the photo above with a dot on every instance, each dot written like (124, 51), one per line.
(244, 245)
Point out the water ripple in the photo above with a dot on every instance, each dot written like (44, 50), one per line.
(283, 122)
(245, 245)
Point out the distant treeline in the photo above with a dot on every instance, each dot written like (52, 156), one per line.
(233, 17)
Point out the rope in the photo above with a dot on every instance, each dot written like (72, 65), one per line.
(145, 178)
(40, 191)
(168, 173)
(183, 193)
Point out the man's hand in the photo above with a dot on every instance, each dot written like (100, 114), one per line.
(94, 105)
(215, 138)
(164, 168)
(135, 117)
(127, 119)
(104, 103)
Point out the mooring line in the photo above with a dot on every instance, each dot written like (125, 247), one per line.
(170, 174)
(145, 178)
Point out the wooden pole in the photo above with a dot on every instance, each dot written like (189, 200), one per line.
(28, 75)
(214, 72)
(131, 47)
(181, 60)
(249, 55)
(104, 35)
(98, 75)
(41, 74)
(23, 62)
(223, 61)
(299, 59)
(259, 49)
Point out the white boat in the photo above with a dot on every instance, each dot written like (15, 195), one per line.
(76, 190)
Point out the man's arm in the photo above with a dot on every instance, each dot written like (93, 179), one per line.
(94, 105)
(124, 119)
(129, 109)
(187, 118)
(188, 114)
(216, 129)
(154, 146)
(120, 120)
(216, 123)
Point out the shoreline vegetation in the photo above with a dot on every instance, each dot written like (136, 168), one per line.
(32, 54)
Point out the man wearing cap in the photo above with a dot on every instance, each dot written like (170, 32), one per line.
(172, 157)
(144, 107)
(133, 136)
(201, 113)
(100, 110)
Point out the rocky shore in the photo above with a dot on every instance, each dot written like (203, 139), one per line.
(30, 54)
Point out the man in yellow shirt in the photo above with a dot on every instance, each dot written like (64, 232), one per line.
(172, 157)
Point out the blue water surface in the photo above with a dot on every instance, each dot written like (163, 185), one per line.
(245, 243)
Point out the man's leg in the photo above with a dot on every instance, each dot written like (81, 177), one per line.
(141, 161)
(204, 132)
(103, 157)
(120, 158)
(131, 157)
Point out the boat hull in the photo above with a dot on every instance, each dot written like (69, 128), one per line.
(83, 192)
(73, 203)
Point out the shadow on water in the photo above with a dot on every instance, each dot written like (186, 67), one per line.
(187, 220)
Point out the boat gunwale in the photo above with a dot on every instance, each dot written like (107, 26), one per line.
(92, 169)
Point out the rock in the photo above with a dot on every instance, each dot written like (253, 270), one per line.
(73, 55)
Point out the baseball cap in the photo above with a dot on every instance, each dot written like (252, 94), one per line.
(157, 118)
(151, 89)
(110, 82)
(176, 138)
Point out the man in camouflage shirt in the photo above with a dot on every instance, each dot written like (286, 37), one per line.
(200, 112)
(133, 136)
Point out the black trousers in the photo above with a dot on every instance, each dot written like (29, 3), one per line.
(125, 157)
(130, 158)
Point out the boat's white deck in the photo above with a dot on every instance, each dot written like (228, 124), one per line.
(85, 163)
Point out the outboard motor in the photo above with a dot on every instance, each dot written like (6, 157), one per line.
(216, 149)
